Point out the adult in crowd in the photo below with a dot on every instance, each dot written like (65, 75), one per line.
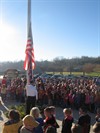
(31, 96)
(29, 123)
(13, 124)
(84, 120)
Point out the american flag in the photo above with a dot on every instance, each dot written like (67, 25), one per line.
(29, 62)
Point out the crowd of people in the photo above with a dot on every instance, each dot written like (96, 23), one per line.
(12, 89)
(34, 123)
(72, 93)
(82, 94)
(58, 92)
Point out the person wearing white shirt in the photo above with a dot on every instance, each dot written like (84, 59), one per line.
(31, 96)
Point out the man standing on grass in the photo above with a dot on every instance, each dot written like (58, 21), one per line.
(31, 96)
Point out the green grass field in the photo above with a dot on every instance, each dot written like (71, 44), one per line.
(93, 74)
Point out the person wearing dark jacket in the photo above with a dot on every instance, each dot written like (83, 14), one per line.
(67, 121)
(84, 120)
(49, 119)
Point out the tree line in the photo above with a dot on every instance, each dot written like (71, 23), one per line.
(58, 64)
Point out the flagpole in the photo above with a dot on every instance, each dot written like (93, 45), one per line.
(29, 15)
(29, 62)
(28, 28)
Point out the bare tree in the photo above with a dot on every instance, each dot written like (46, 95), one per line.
(87, 68)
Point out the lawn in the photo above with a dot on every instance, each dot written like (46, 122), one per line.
(77, 73)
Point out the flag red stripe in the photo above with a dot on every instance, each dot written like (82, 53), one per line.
(29, 55)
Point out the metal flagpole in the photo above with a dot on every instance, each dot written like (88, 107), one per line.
(29, 15)
(29, 62)
(28, 30)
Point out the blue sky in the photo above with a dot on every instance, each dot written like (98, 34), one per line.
(61, 28)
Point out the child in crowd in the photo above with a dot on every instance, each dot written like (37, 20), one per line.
(76, 128)
(3, 92)
(49, 119)
(84, 120)
(96, 127)
(50, 129)
(53, 110)
(53, 113)
(67, 121)
(98, 115)
(35, 112)
(29, 123)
